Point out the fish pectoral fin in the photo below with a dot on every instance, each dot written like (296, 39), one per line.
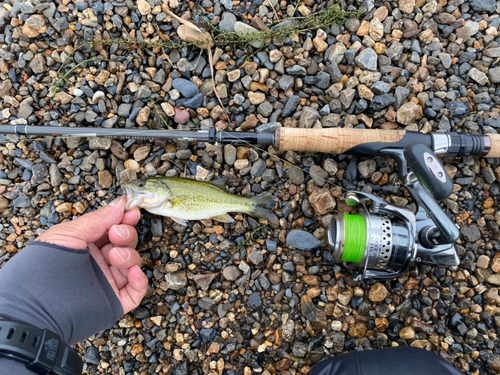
(224, 218)
(220, 183)
(180, 221)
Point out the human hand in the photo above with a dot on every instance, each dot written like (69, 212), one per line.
(110, 235)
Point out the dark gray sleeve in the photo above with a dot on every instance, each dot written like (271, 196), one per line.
(59, 289)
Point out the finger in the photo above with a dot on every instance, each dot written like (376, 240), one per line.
(132, 217)
(132, 294)
(123, 236)
(88, 228)
(120, 276)
(124, 258)
(102, 241)
(105, 251)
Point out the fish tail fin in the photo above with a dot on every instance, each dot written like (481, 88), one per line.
(263, 205)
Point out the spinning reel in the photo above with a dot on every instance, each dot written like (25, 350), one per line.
(384, 239)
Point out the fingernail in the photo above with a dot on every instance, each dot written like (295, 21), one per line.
(117, 202)
(122, 231)
(139, 268)
(123, 253)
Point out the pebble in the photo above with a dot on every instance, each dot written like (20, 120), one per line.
(302, 240)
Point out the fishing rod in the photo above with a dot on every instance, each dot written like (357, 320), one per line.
(359, 142)
(383, 239)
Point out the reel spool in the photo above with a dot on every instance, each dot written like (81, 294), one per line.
(385, 240)
(388, 244)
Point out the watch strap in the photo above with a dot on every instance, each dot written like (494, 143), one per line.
(41, 350)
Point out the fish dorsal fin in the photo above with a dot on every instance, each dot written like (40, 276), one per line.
(224, 218)
(180, 221)
(220, 183)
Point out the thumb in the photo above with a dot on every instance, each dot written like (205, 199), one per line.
(87, 228)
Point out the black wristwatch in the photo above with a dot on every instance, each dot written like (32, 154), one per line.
(41, 350)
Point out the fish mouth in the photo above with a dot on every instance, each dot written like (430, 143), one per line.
(133, 197)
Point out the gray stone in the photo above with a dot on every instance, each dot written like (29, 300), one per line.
(185, 87)
(302, 240)
(471, 233)
(483, 5)
(243, 28)
(253, 302)
(268, 128)
(381, 101)
(291, 105)
(308, 117)
(367, 59)
(227, 22)
(195, 102)
(494, 75)
(380, 88)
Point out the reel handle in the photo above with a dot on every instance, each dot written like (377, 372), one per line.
(429, 170)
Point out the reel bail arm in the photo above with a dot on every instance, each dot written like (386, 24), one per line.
(394, 238)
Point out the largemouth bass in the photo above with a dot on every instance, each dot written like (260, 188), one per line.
(184, 199)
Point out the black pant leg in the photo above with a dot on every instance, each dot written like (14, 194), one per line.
(387, 361)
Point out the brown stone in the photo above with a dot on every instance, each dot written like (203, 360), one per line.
(407, 333)
(491, 295)
(316, 316)
(141, 153)
(358, 330)
(4, 203)
(311, 280)
(250, 67)
(64, 207)
(382, 324)
(118, 150)
(102, 77)
(493, 279)
(494, 362)
(204, 281)
(231, 273)
(419, 326)
(143, 116)
(483, 261)
(105, 179)
(257, 86)
(250, 123)
(6, 86)
(259, 24)
(446, 18)
(495, 263)
(381, 14)
(137, 349)
(406, 6)
(283, 365)
(320, 44)
(378, 293)
(364, 29)
(37, 64)
(63, 98)
(322, 201)
(408, 113)
(463, 33)
(33, 26)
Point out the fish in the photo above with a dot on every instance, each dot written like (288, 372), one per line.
(184, 199)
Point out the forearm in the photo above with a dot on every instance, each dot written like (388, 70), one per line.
(58, 289)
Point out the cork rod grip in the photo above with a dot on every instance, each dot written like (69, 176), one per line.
(495, 146)
(333, 140)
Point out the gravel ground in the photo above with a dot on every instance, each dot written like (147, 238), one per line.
(255, 297)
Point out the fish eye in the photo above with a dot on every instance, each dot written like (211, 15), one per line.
(141, 184)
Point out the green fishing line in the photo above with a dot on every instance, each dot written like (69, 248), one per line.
(354, 238)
